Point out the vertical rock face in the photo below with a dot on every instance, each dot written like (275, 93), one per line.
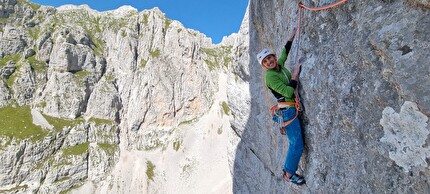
(76, 82)
(361, 63)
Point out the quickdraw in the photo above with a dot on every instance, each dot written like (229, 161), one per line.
(286, 105)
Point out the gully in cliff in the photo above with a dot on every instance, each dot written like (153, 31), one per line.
(283, 85)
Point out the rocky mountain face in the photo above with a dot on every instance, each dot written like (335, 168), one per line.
(80, 88)
(364, 88)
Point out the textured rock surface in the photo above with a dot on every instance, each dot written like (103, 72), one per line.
(96, 88)
(134, 102)
(406, 132)
(358, 60)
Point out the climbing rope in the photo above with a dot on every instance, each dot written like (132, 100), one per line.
(324, 7)
(297, 98)
(302, 6)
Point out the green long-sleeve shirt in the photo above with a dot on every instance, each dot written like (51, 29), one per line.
(278, 81)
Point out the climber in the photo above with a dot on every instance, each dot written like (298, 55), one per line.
(283, 84)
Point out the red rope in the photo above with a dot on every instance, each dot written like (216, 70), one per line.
(301, 6)
(324, 7)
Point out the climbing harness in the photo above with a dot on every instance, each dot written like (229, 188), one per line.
(277, 112)
(278, 109)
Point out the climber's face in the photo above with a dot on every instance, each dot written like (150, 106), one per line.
(270, 62)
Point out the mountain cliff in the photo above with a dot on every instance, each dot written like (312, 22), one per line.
(108, 101)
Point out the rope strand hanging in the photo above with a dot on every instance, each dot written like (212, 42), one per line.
(324, 7)
(302, 6)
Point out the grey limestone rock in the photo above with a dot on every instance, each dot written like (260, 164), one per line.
(122, 81)
(362, 62)
(94, 78)
(12, 41)
(23, 84)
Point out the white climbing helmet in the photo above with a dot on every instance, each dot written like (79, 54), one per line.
(262, 54)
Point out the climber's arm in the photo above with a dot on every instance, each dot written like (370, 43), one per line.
(287, 48)
(276, 84)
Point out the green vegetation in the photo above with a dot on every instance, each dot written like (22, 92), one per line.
(41, 104)
(34, 32)
(41, 17)
(143, 63)
(38, 166)
(108, 148)
(17, 122)
(33, 6)
(43, 163)
(1, 29)
(12, 78)
(63, 162)
(211, 64)
(123, 33)
(82, 74)
(33, 60)
(157, 144)
(179, 30)
(186, 168)
(217, 56)
(51, 161)
(62, 179)
(226, 50)
(105, 88)
(225, 107)
(99, 121)
(54, 23)
(8, 58)
(187, 122)
(167, 23)
(150, 170)
(145, 19)
(76, 150)
(227, 60)
(96, 23)
(39, 66)
(90, 24)
(109, 77)
(115, 24)
(60, 123)
(219, 131)
(210, 52)
(155, 53)
(98, 43)
(4, 20)
(177, 145)
(15, 189)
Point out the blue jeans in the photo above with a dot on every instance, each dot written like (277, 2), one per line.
(294, 134)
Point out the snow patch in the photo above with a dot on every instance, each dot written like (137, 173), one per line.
(39, 120)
